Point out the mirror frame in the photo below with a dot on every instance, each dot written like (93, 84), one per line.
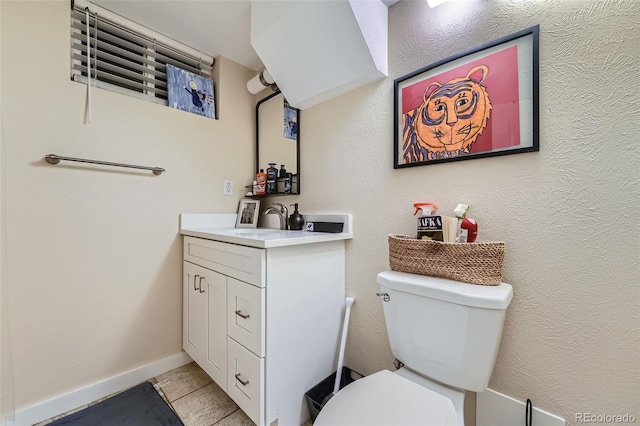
(260, 102)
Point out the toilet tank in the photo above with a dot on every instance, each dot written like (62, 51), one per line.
(445, 330)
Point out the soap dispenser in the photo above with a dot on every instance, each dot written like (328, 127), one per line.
(296, 220)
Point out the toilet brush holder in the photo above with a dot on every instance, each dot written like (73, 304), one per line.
(318, 395)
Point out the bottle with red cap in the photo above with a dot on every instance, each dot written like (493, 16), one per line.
(467, 227)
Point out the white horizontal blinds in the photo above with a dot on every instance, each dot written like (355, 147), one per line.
(125, 59)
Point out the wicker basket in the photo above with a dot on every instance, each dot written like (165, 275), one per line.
(475, 263)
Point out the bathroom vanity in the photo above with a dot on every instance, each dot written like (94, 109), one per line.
(262, 310)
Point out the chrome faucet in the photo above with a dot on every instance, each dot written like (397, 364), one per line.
(282, 212)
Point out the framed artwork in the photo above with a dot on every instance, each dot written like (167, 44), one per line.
(480, 103)
(190, 92)
(290, 122)
(248, 213)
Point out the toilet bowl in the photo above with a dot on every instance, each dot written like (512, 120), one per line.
(384, 399)
(447, 335)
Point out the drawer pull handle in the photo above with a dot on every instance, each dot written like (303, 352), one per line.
(241, 315)
(195, 277)
(242, 382)
(200, 285)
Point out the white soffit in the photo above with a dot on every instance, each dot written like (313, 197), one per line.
(316, 50)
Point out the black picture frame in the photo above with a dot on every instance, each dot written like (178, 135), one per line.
(480, 103)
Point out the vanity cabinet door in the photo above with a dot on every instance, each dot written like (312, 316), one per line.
(194, 312)
(205, 320)
(216, 354)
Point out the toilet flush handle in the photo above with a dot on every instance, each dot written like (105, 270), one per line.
(384, 296)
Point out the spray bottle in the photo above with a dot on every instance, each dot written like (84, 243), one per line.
(461, 212)
(467, 229)
(429, 226)
(471, 226)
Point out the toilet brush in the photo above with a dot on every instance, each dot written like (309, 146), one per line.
(345, 327)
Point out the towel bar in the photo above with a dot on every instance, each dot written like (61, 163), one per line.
(55, 159)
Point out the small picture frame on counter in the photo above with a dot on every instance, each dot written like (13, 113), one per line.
(248, 213)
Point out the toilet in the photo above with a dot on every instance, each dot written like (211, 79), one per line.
(446, 333)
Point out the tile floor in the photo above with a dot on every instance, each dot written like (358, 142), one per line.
(196, 399)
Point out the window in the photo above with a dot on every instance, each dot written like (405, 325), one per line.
(126, 57)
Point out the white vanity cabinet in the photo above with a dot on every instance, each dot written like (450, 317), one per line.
(264, 323)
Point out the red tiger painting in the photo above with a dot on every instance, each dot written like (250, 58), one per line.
(449, 120)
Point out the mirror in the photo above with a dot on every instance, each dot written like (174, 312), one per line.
(278, 140)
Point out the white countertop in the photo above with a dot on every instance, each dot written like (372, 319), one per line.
(220, 228)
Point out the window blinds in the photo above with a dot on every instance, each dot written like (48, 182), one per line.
(125, 59)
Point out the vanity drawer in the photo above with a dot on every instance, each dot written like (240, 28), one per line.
(245, 315)
(245, 380)
(244, 263)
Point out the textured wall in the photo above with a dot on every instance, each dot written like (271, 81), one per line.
(568, 213)
(93, 256)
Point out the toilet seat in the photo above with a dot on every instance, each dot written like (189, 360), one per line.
(386, 399)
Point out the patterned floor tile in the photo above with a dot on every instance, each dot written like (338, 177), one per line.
(182, 381)
(204, 407)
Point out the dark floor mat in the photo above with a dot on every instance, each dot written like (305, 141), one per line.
(138, 406)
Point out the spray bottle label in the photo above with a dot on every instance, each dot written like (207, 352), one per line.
(430, 228)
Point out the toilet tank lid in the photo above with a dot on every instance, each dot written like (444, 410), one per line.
(479, 296)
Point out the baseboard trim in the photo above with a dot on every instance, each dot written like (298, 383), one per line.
(79, 397)
(496, 409)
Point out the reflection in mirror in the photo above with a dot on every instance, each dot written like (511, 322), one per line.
(278, 139)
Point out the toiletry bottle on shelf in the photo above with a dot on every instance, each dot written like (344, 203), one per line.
(287, 183)
(296, 220)
(251, 189)
(429, 227)
(283, 172)
(461, 212)
(467, 229)
(435, 227)
(272, 176)
(261, 183)
(471, 226)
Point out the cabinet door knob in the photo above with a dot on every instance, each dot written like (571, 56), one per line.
(200, 285)
(242, 382)
(241, 315)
